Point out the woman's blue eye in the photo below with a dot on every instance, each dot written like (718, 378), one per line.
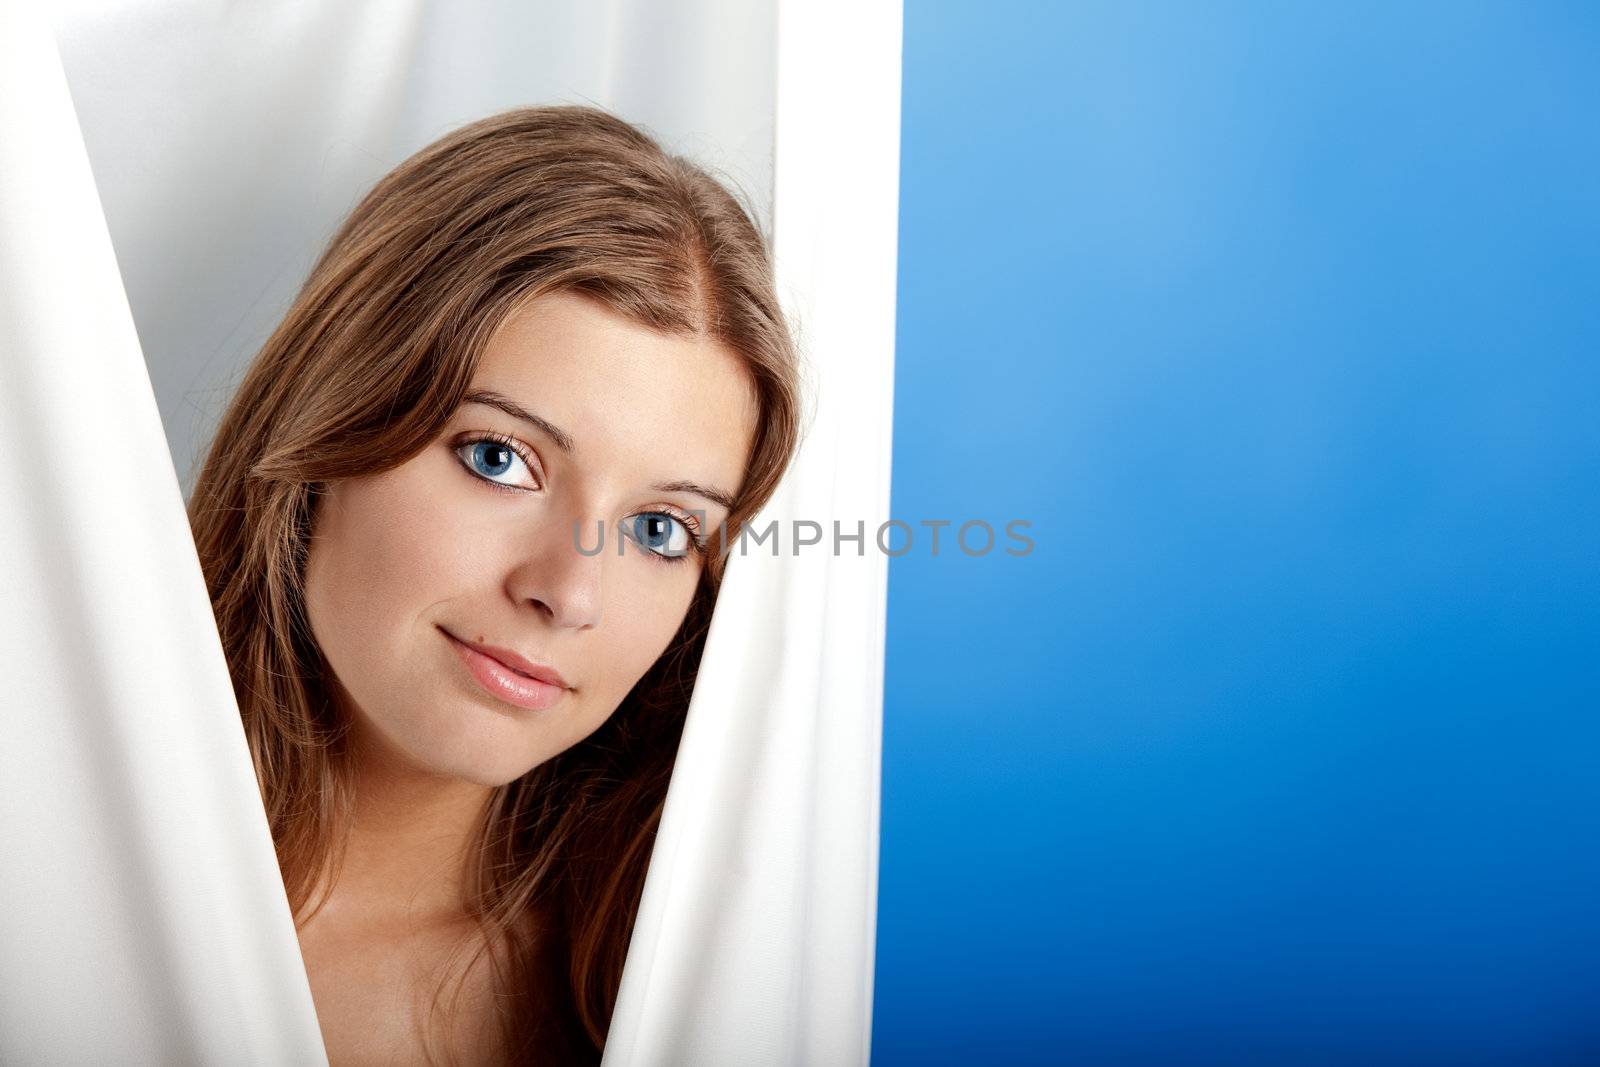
(660, 533)
(491, 459)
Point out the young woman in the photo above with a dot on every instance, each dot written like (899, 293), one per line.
(539, 335)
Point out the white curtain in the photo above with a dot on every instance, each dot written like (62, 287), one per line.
(214, 146)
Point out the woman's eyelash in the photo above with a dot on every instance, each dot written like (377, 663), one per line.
(511, 444)
(692, 530)
(691, 525)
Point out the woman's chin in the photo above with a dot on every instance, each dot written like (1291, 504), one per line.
(473, 746)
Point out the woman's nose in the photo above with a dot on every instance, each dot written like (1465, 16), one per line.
(560, 581)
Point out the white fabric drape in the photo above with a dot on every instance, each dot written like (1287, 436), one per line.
(142, 918)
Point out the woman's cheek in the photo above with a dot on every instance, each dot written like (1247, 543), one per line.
(660, 611)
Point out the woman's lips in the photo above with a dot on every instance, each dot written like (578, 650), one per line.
(501, 681)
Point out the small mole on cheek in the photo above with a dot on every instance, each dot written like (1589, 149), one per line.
(481, 639)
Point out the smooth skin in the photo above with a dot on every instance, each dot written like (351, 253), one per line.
(440, 545)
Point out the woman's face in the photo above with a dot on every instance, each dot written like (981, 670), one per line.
(473, 541)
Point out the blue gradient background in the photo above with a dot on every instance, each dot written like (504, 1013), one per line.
(1280, 323)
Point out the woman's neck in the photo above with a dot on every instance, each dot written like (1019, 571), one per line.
(409, 834)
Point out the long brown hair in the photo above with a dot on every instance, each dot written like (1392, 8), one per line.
(367, 366)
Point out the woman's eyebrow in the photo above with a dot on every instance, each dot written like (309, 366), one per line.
(562, 439)
(711, 493)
